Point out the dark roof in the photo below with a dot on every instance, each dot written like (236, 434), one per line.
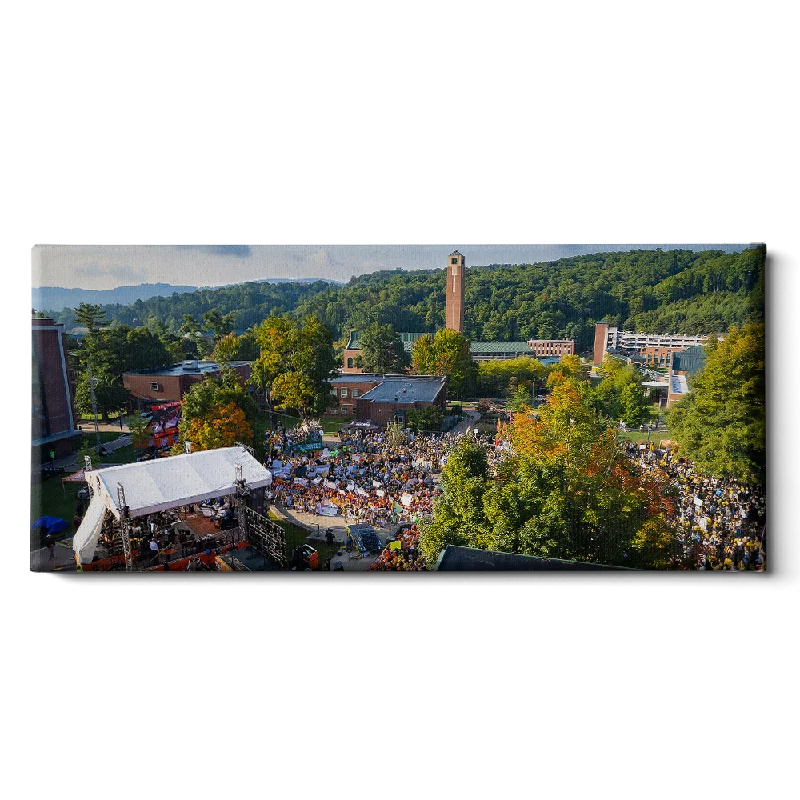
(689, 360)
(406, 389)
(187, 368)
(469, 559)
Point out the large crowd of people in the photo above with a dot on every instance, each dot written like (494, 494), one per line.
(721, 523)
(366, 479)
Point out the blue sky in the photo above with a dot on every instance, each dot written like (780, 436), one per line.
(109, 266)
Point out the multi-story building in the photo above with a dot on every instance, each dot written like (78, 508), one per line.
(611, 339)
(170, 384)
(53, 420)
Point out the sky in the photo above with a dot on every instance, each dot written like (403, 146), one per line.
(109, 266)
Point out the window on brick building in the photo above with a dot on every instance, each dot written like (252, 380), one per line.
(355, 393)
(154, 387)
(344, 393)
(349, 363)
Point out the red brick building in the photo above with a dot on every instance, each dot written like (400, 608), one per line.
(347, 389)
(170, 384)
(381, 398)
(53, 420)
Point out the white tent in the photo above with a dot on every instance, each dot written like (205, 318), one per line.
(152, 486)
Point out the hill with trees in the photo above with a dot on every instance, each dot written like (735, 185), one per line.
(672, 291)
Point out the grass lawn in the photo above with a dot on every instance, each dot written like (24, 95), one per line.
(332, 424)
(53, 499)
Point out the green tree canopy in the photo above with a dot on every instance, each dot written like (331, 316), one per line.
(382, 349)
(232, 347)
(217, 323)
(428, 419)
(294, 363)
(219, 402)
(567, 491)
(90, 316)
(446, 353)
(721, 424)
(459, 517)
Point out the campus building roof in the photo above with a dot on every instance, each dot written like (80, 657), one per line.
(408, 339)
(689, 360)
(187, 368)
(477, 348)
(406, 389)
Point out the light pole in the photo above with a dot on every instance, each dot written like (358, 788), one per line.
(94, 408)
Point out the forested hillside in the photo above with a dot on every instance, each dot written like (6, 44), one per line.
(674, 291)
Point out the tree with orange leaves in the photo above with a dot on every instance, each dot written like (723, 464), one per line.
(570, 492)
(217, 412)
(223, 427)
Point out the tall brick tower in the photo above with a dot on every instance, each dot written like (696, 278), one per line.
(454, 292)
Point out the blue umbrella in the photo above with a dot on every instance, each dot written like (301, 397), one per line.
(51, 525)
(44, 522)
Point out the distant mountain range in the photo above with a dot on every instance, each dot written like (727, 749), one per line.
(57, 298)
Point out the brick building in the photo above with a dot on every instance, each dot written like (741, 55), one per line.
(347, 388)
(170, 384)
(396, 395)
(552, 347)
(371, 396)
(53, 420)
